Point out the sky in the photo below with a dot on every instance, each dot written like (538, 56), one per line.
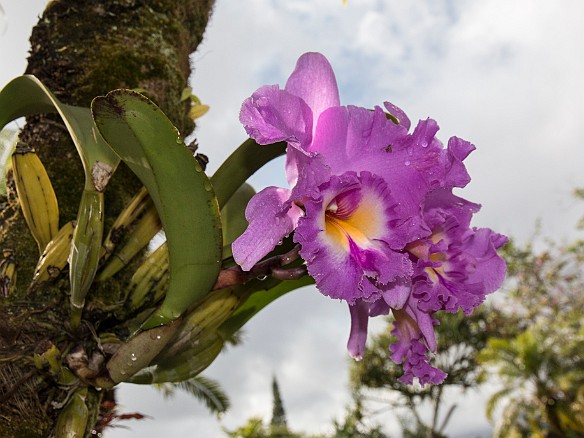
(503, 75)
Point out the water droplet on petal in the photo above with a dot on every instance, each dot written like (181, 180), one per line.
(261, 277)
(407, 163)
(133, 357)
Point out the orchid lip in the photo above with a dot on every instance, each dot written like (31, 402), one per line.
(353, 215)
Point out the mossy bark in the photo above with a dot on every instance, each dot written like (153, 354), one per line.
(81, 49)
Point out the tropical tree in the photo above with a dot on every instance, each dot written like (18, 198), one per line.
(355, 424)
(541, 367)
(256, 427)
(278, 424)
(350, 426)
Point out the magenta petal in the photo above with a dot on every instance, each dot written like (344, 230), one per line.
(356, 138)
(411, 327)
(305, 174)
(416, 365)
(378, 307)
(343, 237)
(330, 137)
(425, 324)
(398, 113)
(396, 294)
(271, 115)
(463, 265)
(490, 267)
(458, 150)
(314, 81)
(358, 337)
(271, 218)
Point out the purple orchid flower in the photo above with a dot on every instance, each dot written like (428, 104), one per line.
(367, 203)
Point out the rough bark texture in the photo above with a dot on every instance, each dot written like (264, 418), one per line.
(81, 49)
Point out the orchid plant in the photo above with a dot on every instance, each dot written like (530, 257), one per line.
(369, 216)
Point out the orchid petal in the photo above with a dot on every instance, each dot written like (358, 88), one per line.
(271, 218)
(358, 337)
(398, 113)
(305, 174)
(396, 294)
(271, 115)
(458, 150)
(490, 267)
(411, 329)
(343, 238)
(313, 80)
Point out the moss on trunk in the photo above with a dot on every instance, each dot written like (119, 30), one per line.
(81, 49)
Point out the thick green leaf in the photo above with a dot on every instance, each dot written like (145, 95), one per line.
(85, 250)
(233, 216)
(183, 366)
(241, 164)
(151, 146)
(137, 353)
(26, 95)
(258, 300)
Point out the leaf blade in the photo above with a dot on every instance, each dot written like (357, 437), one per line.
(150, 145)
(26, 95)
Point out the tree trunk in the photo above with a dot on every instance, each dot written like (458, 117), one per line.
(81, 49)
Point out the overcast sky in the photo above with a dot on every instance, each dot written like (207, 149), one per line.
(505, 75)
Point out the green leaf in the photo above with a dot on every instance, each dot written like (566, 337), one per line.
(241, 164)
(72, 419)
(183, 366)
(150, 145)
(233, 216)
(137, 353)
(186, 94)
(26, 95)
(85, 250)
(258, 300)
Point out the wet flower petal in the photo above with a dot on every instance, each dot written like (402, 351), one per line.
(271, 115)
(271, 218)
(399, 114)
(457, 265)
(343, 238)
(371, 204)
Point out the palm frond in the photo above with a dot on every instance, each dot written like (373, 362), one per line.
(203, 389)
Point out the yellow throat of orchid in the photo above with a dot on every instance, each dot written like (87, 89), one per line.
(361, 223)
